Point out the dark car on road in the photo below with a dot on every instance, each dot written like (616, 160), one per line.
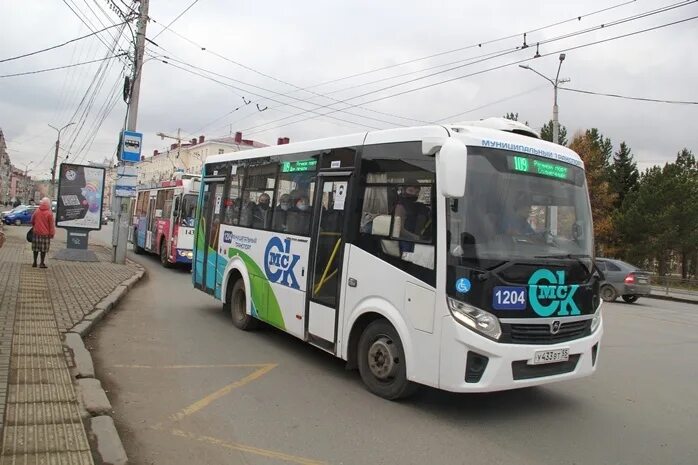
(622, 280)
(20, 215)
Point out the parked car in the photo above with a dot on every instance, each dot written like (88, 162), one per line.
(20, 215)
(11, 210)
(623, 280)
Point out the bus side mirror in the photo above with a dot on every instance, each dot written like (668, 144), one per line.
(451, 162)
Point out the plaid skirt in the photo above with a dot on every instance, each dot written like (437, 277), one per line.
(41, 243)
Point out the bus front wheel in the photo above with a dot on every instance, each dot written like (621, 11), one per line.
(382, 361)
(236, 303)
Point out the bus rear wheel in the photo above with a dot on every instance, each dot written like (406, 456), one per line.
(164, 258)
(382, 362)
(236, 303)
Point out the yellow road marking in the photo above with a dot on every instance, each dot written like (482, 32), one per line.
(200, 404)
(245, 448)
(177, 367)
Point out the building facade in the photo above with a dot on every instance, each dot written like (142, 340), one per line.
(15, 185)
(189, 156)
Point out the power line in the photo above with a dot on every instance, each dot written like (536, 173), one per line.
(642, 99)
(494, 68)
(280, 94)
(202, 48)
(258, 95)
(505, 99)
(60, 45)
(178, 16)
(488, 57)
(62, 67)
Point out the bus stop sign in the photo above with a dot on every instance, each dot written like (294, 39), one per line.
(131, 146)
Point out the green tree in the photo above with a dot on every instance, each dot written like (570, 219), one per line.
(623, 173)
(601, 196)
(660, 217)
(603, 143)
(512, 116)
(546, 133)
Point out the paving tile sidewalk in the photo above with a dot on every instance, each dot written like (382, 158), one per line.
(39, 411)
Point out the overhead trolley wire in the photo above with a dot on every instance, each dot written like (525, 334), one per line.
(495, 55)
(642, 99)
(60, 45)
(567, 49)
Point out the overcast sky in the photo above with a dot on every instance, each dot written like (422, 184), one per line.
(305, 43)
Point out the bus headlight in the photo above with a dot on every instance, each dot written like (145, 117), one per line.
(476, 319)
(596, 321)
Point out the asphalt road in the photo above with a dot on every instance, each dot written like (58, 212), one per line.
(187, 387)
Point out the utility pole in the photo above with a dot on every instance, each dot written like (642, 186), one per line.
(52, 190)
(556, 83)
(122, 214)
(178, 138)
(26, 182)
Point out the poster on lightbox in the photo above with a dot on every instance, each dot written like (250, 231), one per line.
(80, 193)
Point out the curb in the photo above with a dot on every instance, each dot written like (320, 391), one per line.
(104, 439)
(673, 299)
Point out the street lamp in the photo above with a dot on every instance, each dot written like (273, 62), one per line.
(555, 83)
(55, 159)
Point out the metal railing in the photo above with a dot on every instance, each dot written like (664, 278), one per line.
(670, 284)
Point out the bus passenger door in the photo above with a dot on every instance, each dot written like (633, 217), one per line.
(327, 251)
(149, 244)
(211, 215)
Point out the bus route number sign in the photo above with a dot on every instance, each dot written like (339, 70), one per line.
(299, 165)
(509, 298)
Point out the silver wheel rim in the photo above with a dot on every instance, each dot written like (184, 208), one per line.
(239, 306)
(383, 358)
(607, 293)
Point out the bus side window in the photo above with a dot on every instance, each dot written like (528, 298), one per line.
(175, 208)
(233, 200)
(398, 213)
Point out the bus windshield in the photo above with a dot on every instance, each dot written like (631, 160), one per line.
(188, 210)
(518, 206)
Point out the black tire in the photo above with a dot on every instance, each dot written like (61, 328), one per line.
(608, 293)
(137, 250)
(630, 299)
(164, 258)
(236, 304)
(378, 343)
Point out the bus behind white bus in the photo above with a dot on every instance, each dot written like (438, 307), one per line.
(455, 256)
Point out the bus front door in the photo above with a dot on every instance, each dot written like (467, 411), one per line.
(213, 192)
(327, 251)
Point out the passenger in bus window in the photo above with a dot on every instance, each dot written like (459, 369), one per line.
(262, 213)
(299, 216)
(281, 213)
(414, 217)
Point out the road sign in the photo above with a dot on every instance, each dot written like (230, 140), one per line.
(126, 181)
(131, 146)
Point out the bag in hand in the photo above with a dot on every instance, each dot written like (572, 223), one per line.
(30, 235)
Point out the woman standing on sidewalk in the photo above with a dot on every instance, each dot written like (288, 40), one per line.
(44, 230)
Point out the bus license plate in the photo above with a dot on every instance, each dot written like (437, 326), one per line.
(551, 356)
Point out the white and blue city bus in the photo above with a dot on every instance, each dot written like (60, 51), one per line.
(455, 256)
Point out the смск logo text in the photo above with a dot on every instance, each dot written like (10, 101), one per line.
(279, 262)
(560, 298)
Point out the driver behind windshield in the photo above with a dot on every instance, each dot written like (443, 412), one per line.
(516, 223)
